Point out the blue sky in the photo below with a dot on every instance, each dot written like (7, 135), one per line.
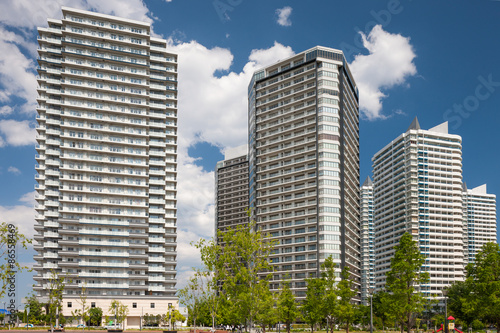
(437, 60)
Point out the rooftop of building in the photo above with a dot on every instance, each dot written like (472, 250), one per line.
(439, 130)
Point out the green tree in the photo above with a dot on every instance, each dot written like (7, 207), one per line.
(36, 315)
(10, 239)
(266, 314)
(83, 310)
(483, 277)
(313, 306)
(244, 272)
(151, 320)
(330, 299)
(287, 307)
(191, 296)
(56, 286)
(119, 311)
(95, 317)
(405, 276)
(176, 316)
(381, 309)
(362, 316)
(459, 302)
(346, 310)
(210, 253)
(234, 281)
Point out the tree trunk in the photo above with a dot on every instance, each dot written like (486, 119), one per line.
(347, 327)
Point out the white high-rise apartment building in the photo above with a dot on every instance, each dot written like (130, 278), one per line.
(418, 189)
(107, 147)
(304, 164)
(480, 218)
(367, 241)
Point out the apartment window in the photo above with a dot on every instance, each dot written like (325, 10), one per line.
(134, 305)
(152, 305)
(70, 304)
(92, 305)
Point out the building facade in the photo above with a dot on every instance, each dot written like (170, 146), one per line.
(418, 189)
(231, 187)
(367, 242)
(107, 159)
(304, 164)
(480, 220)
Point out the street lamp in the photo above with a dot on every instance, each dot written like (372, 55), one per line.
(371, 309)
(445, 294)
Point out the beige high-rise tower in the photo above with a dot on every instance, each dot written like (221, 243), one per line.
(107, 149)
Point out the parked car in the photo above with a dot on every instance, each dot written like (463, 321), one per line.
(81, 326)
(28, 325)
(112, 327)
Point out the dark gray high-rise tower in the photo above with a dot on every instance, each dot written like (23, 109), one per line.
(304, 163)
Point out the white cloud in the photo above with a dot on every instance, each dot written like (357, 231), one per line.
(388, 64)
(17, 133)
(284, 16)
(213, 108)
(30, 14)
(265, 57)
(17, 72)
(14, 170)
(23, 217)
(6, 110)
(28, 198)
(212, 98)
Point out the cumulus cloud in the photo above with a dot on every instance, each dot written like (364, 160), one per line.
(17, 133)
(265, 57)
(388, 64)
(284, 16)
(213, 100)
(6, 110)
(28, 198)
(17, 68)
(21, 216)
(14, 170)
(30, 14)
(17, 72)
